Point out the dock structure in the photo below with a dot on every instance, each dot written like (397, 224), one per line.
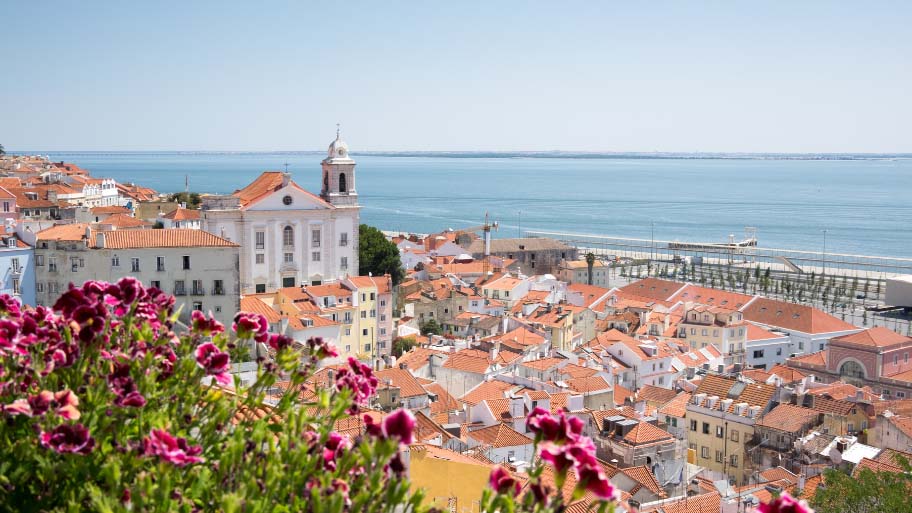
(739, 254)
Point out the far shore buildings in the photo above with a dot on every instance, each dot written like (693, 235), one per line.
(534, 255)
(289, 236)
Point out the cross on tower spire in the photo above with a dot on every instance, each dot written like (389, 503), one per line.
(338, 130)
(286, 166)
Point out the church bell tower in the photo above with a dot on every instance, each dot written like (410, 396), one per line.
(339, 175)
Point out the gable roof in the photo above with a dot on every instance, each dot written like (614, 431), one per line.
(500, 435)
(789, 418)
(791, 316)
(164, 238)
(654, 394)
(182, 214)
(254, 304)
(653, 288)
(878, 337)
(403, 379)
(646, 433)
(64, 232)
(677, 407)
(267, 183)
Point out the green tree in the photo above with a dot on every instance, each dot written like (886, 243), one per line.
(378, 255)
(158, 225)
(2, 151)
(590, 263)
(865, 492)
(430, 328)
(192, 200)
(402, 345)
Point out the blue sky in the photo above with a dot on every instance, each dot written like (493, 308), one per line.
(590, 76)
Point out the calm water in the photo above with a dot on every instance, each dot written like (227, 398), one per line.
(865, 205)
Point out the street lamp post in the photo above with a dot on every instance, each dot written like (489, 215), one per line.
(652, 245)
(824, 252)
(519, 229)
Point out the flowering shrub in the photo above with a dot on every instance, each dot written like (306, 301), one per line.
(105, 407)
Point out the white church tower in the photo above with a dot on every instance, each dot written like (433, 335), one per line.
(339, 176)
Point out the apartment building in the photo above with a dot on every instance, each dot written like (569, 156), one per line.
(721, 418)
(17, 269)
(725, 328)
(197, 267)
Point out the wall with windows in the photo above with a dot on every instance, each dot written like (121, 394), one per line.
(201, 278)
(17, 272)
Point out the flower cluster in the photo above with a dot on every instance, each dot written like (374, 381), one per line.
(171, 448)
(214, 361)
(251, 325)
(320, 349)
(560, 443)
(785, 503)
(360, 380)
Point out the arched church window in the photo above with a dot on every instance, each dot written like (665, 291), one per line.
(326, 182)
(342, 187)
(852, 370)
(288, 236)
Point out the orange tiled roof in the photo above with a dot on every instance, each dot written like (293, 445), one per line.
(818, 358)
(256, 305)
(653, 288)
(64, 232)
(124, 221)
(677, 407)
(789, 418)
(654, 394)
(704, 503)
(874, 337)
(787, 374)
(113, 209)
(775, 474)
(493, 389)
(445, 402)
(543, 363)
(267, 183)
(417, 357)
(469, 360)
(646, 433)
(500, 435)
(183, 214)
(802, 318)
(711, 297)
(590, 384)
(403, 379)
(165, 238)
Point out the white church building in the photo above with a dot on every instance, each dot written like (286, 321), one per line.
(289, 236)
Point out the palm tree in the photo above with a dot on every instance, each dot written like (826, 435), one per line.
(590, 263)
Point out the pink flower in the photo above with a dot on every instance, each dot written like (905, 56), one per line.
(215, 362)
(785, 503)
(18, 407)
(553, 428)
(399, 424)
(279, 342)
(66, 404)
(502, 482)
(321, 349)
(40, 402)
(171, 449)
(335, 446)
(205, 325)
(360, 380)
(68, 438)
(593, 479)
(251, 325)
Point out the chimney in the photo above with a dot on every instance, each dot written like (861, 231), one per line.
(100, 240)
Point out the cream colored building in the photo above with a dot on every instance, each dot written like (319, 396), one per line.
(725, 328)
(197, 267)
(720, 424)
(288, 236)
(577, 271)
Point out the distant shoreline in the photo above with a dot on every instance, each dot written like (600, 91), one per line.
(518, 155)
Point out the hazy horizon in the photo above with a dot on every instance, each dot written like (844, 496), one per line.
(781, 77)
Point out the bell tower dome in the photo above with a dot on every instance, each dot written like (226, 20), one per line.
(339, 175)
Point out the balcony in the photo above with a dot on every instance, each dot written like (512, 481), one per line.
(180, 291)
(218, 291)
(52, 268)
(198, 291)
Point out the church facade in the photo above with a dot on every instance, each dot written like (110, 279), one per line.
(288, 236)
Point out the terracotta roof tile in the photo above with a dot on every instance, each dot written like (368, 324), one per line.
(64, 232)
(417, 358)
(654, 394)
(256, 305)
(874, 337)
(772, 312)
(646, 433)
(653, 288)
(493, 389)
(166, 238)
(590, 384)
(183, 214)
(789, 418)
(500, 435)
(677, 407)
(403, 379)
(265, 184)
